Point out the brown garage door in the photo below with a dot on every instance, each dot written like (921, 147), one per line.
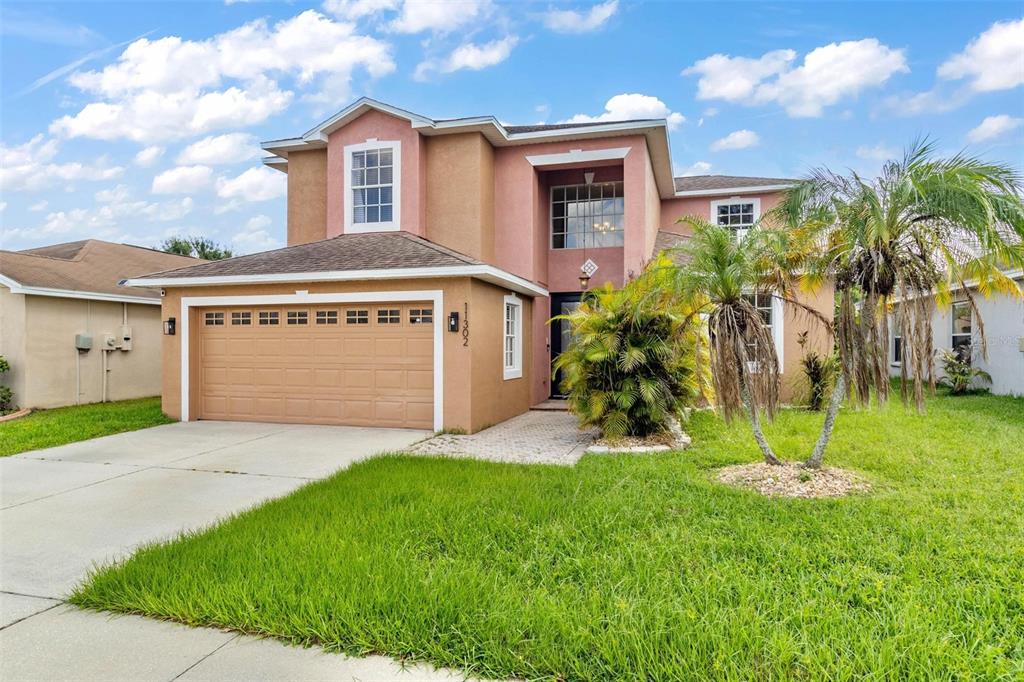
(368, 365)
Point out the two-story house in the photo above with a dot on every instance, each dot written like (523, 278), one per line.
(425, 259)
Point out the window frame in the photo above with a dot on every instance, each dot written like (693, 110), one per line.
(326, 317)
(515, 369)
(214, 318)
(272, 319)
(953, 335)
(390, 317)
(551, 217)
(394, 225)
(777, 311)
(741, 231)
(296, 318)
(241, 318)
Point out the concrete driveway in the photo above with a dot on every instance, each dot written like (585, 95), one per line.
(66, 509)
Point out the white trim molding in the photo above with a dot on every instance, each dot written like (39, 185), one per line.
(487, 273)
(395, 223)
(18, 288)
(578, 156)
(515, 370)
(436, 296)
(740, 232)
(778, 321)
(732, 190)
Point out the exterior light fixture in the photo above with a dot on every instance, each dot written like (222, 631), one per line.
(584, 281)
(588, 177)
(169, 326)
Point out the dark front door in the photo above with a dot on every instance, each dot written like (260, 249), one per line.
(561, 304)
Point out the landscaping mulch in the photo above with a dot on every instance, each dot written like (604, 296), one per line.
(793, 480)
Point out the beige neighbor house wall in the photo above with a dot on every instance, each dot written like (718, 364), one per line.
(39, 340)
(473, 377)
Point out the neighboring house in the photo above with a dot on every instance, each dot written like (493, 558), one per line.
(424, 260)
(957, 326)
(56, 300)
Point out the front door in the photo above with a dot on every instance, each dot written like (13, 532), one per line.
(561, 304)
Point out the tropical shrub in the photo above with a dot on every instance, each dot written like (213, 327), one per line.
(633, 362)
(820, 373)
(6, 394)
(960, 375)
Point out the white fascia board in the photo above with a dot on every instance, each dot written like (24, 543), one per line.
(487, 273)
(970, 284)
(578, 156)
(71, 293)
(729, 191)
(358, 107)
(275, 161)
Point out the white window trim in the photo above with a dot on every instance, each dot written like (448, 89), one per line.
(516, 371)
(778, 338)
(713, 215)
(435, 296)
(952, 320)
(396, 187)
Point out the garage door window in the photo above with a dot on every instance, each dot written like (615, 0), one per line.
(327, 317)
(214, 319)
(357, 317)
(269, 317)
(389, 316)
(298, 317)
(241, 318)
(421, 316)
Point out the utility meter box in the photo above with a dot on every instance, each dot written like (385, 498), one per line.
(83, 342)
(110, 342)
(126, 338)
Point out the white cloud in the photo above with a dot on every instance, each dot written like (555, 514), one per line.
(3, 206)
(256, 184)
(738, 139)
(356, 9)
(39, 206)
(31, 167)
(440, 17)
(220, 149)
(992, 61)
(630, 106)
(183, 180)
(171, 88)
(572, 21)
(255, 236)
(470, 56)
(696, 168)
(148, 156)
(827, 75)
(878, 152)
(993, 127)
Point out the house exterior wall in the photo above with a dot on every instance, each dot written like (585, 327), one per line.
(1004, 332)
(674, 209)
(48, 367)
(460, 194)
(307, 196)
(472, 374)
(796, 320)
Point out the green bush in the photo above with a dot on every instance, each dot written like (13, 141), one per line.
(633, 362)
(960, 376)
(6, 394)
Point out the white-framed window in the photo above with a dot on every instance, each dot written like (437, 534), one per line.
(587, 215)
(770, 308)
(897, 339)
(512, 338)
(737, 214)
(960, 333)
(372, 186)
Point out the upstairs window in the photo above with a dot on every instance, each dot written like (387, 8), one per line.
(738, 215)
(372, 184)
(587, 215)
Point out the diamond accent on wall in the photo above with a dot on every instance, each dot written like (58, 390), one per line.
(590, 267)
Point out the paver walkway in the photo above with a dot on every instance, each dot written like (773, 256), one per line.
(537, 437)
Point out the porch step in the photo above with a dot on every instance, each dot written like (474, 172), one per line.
(552, 405)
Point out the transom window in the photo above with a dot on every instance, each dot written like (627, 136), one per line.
(327, 317)
(587, 215)
(421, 315)
(513, 338)
(298, 317)
(269, 317)
(389, 316)
(357, 317)
(214, 319)
(961, 331)
(241, 318)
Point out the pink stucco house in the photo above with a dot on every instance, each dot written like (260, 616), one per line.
(424, 260)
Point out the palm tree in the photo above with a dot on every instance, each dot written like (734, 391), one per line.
(925, 226)
(725, 273)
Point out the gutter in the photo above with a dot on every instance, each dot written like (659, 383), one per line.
(17, 288)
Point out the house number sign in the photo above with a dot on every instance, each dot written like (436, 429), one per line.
(465, 326)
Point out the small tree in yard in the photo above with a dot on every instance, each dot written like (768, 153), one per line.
(197, 247)
(633, 361)
(926, 225)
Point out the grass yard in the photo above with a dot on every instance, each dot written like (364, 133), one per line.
(637, 567)
(47, 428)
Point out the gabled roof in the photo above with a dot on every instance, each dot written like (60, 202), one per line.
(358, 256)
(695, 185)
(90, 268)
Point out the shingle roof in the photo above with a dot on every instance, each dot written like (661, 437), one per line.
(670, 240)
(696, 183)
(369, 251)
(90, 265)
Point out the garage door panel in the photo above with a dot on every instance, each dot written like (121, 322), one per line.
(377, 373)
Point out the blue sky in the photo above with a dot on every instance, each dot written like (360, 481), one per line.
(137, 121)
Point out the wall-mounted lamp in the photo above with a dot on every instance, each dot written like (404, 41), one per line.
(584, 280)
(170, 324)
(588, 177)
(453, 321)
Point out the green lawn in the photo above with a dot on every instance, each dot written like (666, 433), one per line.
(637, 567)
(47, 428)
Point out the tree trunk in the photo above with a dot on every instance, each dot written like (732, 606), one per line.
(814, 461)
(755, 425)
